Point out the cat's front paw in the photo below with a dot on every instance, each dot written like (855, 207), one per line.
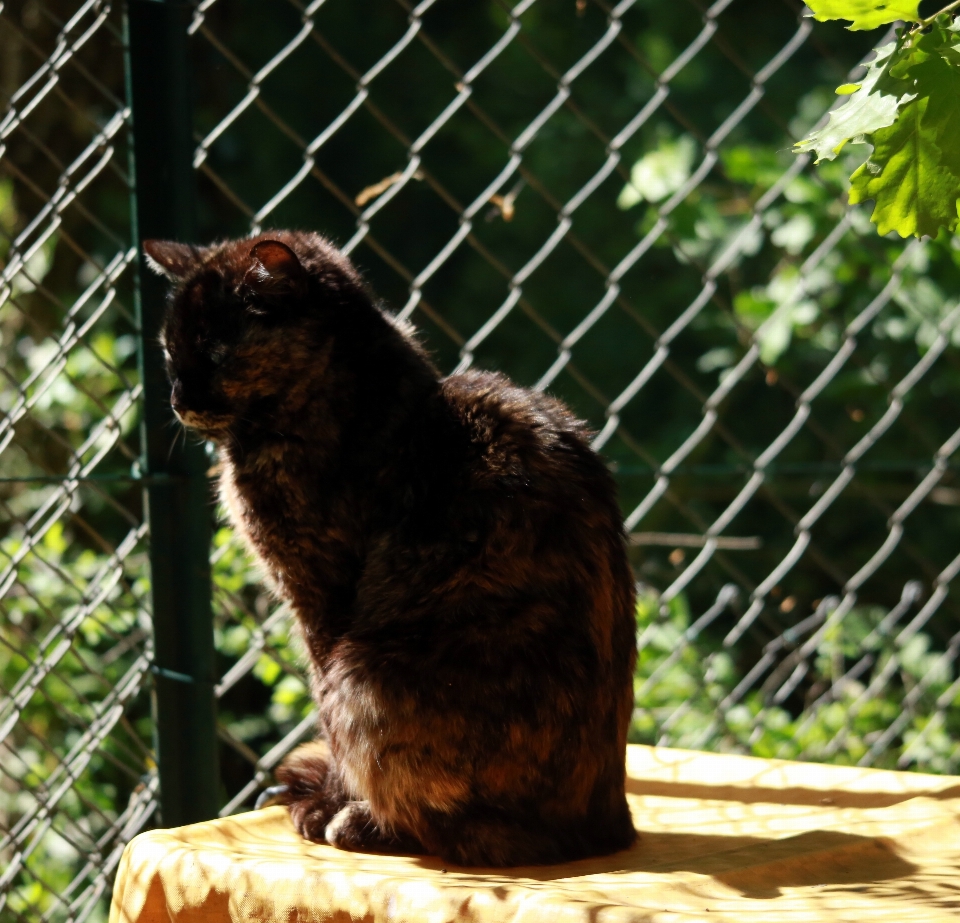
(311, 815)
(313, 792)
(352, 828)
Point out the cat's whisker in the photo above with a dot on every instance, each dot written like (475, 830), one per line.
(173, 443)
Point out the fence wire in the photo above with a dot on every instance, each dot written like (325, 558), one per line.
(74, 635)
(781, 640)
(598, 199)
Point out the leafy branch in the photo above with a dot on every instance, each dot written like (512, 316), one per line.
(908, 107)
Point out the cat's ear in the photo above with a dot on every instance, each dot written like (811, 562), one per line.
(170, 259)
(275, 270)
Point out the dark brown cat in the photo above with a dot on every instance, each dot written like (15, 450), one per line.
(452, 548)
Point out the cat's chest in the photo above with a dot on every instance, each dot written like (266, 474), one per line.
(283, 509)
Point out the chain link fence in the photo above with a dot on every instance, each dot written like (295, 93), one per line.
(74, 620)
(598, 199)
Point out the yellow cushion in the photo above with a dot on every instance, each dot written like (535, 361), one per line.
(722, 838)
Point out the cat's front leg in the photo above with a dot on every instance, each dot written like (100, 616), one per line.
(354, 828)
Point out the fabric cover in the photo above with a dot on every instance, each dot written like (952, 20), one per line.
(722, 838)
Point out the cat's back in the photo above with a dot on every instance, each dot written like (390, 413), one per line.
(514, 536)
(526, 443)
(551, 524)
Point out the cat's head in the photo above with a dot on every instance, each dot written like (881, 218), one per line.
(240, 337)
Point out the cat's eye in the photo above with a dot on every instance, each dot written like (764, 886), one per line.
(256, 308)
(218, 353)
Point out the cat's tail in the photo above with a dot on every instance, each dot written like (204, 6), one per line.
(313, 790)
(305, 770)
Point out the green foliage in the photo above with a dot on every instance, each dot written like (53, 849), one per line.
(242, 624)
(915, 192)
(772, 301)
(74, 623)
(914, 170)
(48, 619)
(908, 107)
(685, 684)
(865, 14)
(873, 104)
(660, 173)
(683, 674)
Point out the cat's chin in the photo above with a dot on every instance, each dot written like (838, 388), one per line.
(208, 424)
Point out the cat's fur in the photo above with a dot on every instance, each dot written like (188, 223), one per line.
(452, 549)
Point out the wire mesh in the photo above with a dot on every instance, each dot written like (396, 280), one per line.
(74, 632)
(599, 200)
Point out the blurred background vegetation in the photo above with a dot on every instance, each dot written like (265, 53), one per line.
(70, 599)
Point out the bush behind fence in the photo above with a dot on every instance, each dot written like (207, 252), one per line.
(597, 199)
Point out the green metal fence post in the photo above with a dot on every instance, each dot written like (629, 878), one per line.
(178, 492)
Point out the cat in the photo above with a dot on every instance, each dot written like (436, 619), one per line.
(452, 549)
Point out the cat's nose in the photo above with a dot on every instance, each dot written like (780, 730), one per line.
(176, 398)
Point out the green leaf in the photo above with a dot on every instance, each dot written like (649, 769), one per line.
(873, 106)
(914, 192)
(865, 14)
(914, 171)
(937, 76)
(659, 173)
